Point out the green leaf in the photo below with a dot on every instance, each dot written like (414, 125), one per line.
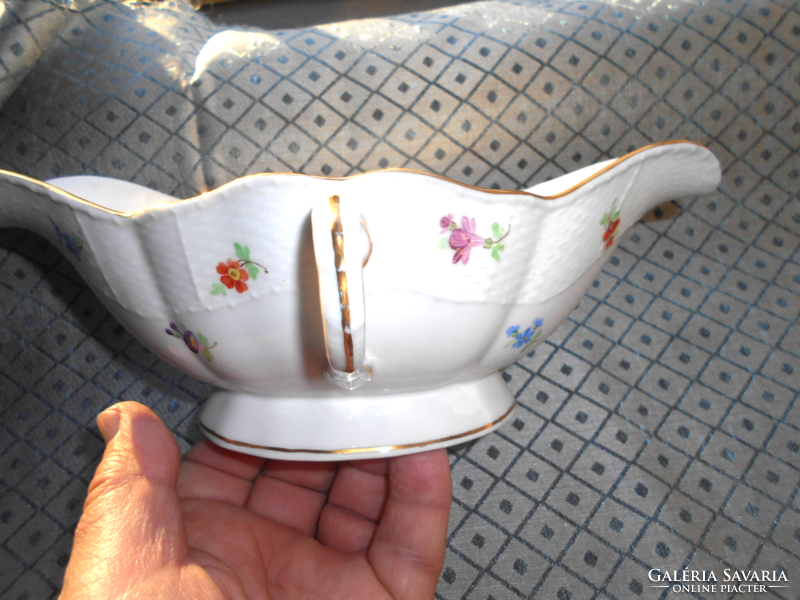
(217, 289)
(501, 246)
(495, 254)
(496, 231)
(615, 214)
(537, 334)
(443, 244)
(242, 252)
(202, 339)
(207, 355)
(253, 270)
(604, 222)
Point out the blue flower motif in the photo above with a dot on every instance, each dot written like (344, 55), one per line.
(75, 247)
(521, 341)
(521, 338)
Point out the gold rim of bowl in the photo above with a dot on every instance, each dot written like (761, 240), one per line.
(394, 170)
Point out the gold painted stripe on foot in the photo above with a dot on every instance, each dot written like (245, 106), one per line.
(360, 450)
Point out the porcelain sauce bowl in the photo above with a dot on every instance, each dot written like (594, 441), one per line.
(362, 316)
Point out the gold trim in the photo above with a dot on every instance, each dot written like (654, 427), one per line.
(396, 170)
(358, 450)
(337, 238)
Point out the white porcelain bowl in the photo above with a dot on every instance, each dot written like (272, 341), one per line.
(379, 330)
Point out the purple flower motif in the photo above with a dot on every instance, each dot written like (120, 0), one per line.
(464, 239)
(445, 223)
(190, 339)
(196, 342)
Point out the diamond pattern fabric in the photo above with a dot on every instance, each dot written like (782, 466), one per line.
(658, 427)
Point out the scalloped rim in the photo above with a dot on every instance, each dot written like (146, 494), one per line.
(561, 194)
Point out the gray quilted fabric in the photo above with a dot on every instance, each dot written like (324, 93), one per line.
(659, 426)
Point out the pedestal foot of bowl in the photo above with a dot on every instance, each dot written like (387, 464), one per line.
(356, 426)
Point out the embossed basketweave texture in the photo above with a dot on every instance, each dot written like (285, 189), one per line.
(658, 427)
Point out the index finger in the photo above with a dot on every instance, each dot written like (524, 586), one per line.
(210, 472)
(242, 466)
(408, 549)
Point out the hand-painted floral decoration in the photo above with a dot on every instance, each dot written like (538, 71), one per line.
(196, 342)
(73, 244)
(524, 339)
(611, 223)
(464, 239)
(235, 273)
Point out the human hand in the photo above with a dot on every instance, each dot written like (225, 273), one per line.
(228, 525)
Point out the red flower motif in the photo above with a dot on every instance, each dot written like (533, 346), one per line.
(610, 233)
(233, 275)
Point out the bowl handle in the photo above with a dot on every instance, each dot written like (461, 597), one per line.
(339, 231)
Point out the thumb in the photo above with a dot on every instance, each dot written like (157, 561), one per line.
(131, 524)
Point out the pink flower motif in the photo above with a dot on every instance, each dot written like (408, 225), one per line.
(464, 239)
(445, 223)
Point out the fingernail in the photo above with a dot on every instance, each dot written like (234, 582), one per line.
(108, 423)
